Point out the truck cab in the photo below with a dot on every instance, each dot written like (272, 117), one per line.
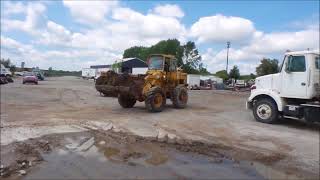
(5, 71)
(293, 93)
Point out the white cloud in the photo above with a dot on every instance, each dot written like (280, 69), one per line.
(217, 60)
(170, 10)
(55, 34)
(58, 59)
(281, 41)
(270, 45)
(13, 8)
(90, 12)
(129, 28)
(145, 28)
(34, 13)
(221, 28)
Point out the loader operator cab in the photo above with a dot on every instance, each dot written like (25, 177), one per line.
(163, 63)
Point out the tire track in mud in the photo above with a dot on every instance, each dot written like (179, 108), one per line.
(69, 97)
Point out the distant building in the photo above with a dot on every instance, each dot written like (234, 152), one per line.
(130, 65)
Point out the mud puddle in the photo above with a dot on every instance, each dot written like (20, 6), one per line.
(112, 155)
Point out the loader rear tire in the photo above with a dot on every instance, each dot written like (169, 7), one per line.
(126, 101)
(180, 97)
(155, 100)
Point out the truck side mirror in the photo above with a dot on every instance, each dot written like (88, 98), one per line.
(288, 64)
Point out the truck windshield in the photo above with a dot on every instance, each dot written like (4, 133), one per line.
(317, 61)
(156, 62)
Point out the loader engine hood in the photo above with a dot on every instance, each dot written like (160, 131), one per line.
(154, 75)
(153, 78)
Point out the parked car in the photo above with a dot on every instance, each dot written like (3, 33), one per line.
(3, 80)
(29, 77)
(18, 73)
(39, 74)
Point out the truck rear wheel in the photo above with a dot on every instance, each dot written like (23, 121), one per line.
(265, 111)
(126, 101)
(155, 100)
(180, 97)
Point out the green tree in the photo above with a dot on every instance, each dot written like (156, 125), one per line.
(203, 70)
(13, 68)
(170, 46)
(267, 66)
(252, 76)
(234, 72)
(191, 57)
(222, 74)
(187, 55)
(6, 63)
(116, 66)
(138, 52)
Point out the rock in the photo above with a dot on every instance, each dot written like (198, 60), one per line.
(172, 138)
(102, 142)
(30, 163)
(22, 172)
(2, 166)
(115, 129)
(86, 145)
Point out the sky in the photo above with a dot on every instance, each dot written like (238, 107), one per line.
(70, 35)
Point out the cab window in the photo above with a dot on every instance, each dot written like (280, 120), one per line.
(296, 64)
(317, 61)
(156, 63)
(173, 65)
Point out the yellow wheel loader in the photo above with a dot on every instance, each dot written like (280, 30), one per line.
(162, 80)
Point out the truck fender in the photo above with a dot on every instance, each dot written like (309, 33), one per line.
(265, 93)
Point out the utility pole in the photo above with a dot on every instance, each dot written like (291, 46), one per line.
(228, 46)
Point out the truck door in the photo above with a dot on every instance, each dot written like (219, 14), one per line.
(294, 77)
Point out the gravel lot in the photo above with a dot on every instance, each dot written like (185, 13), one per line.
(72, 105)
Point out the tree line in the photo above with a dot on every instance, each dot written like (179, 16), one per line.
(190, 60)
(50, 72)
(187, 55)
(8, 64)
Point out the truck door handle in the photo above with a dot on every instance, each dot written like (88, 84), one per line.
(303, 84)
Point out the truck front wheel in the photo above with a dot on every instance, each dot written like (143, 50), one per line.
(265, 111)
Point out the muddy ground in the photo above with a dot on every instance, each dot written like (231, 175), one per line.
(213, 136)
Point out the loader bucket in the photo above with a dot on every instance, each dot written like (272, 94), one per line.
(111, 84)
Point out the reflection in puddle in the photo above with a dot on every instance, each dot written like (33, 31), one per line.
(109, 151)
(157, 159)
(88, 158)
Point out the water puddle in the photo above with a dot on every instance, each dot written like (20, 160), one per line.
(97, 155)
(83, 157)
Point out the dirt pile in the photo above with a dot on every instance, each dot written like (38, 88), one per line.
(18, 157)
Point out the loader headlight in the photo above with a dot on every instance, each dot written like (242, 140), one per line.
(157, 76)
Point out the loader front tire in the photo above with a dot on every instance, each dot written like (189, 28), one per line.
(155, 100)
(126, 101)
(180, 97)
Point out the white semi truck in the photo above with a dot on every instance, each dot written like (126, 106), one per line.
(4, 71)
(292, 93)
(88, 73)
